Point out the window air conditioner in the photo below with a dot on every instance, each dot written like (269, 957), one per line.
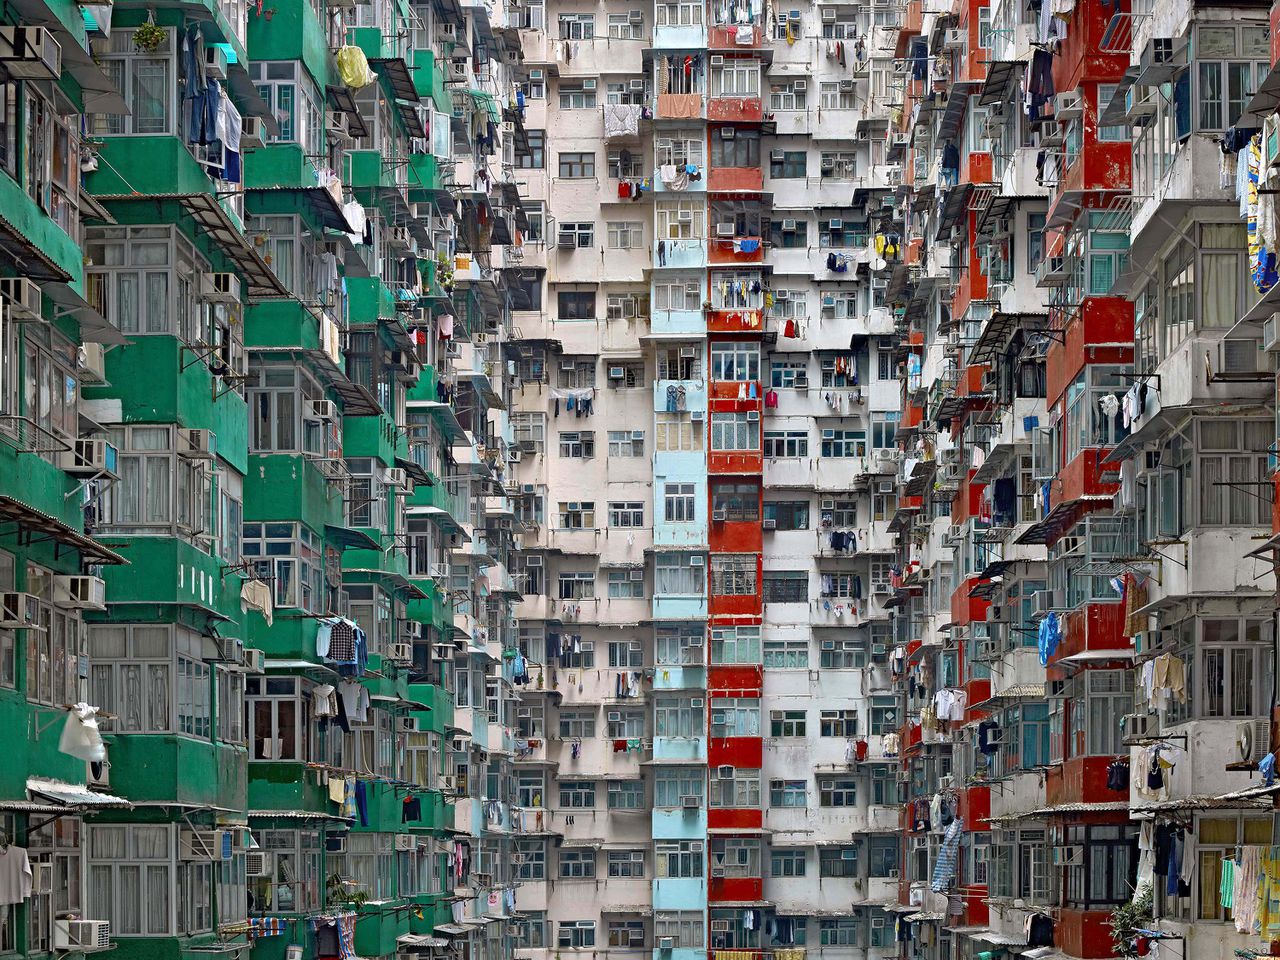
(323, 410)
(23, 296)
(30, 53)
(220, 287)
(259, 863)
(81, 935)
(88, 458)
(691, 802)
(79, 593)
(18, 610)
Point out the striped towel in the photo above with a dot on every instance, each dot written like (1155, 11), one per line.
(944, 869)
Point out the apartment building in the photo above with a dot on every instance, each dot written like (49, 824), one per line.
(1084, 555)
(254, 587)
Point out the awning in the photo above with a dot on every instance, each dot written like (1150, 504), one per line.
(410, 118)
(957, 106)
(1093, 656)
(997, 330)
(444, 416)
(415, 471)
(1014, 694)
(218, 225)
(94, 327)
(341, 98)
(35, 526)
(100, 94)
(309, 815)
(357, 400)
(416, 941)
(954, 206)
(1266, 99)
(350, 538)
(452, 929)
(1002, 76)
(396, 72)
(73, 795)
(32, 262)
(1117, 112)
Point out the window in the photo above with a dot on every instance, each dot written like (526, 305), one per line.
(884, 715)
(576, 234)
(735, 361)
(1233, 667)
(736, 79)
(786, 514)
(530, 428)
(531, 859)
(679, 644)
(733, 575)
(735, 644)
(788, 374)
(738, 856)
(786, 653)
(837, 95)
(684, 927)
(532, 930)
(883, 854)
(1105, 870)
(578, 725)
(1218, 837)
(131, 877)
(577, 515)
(681, 717)
(158, 491)
(627, 306)
(578, 794)
(151, 677)
(840, 165)
(578, 96)
(675, 431)
(790, 95)
(735, 717)
(628, 794)
(624, 234)
(623, 165)
(577, 864)
(678, 858)
(626, 934)
(296, 103)
(884, 427)
(537, 232)
(785, 443)
(786, 586)
(288, 556)
(534, 155)
(626, 584)
(578, 444)
(788, 793)
(625, 443)
(682, 14)
(837, 792)
(788, 164)
(629, 513)
(146, 82)
(838, 861)
(740, 789)
(577, 585)
(678, 573)
(838, 442)
(838, 723)
(735, 431)
(671, 787)
(735, 502)
(680, 148)
(577, 26)
(576, 934)
(679, 501)
(681, 220)
(842, 654)
(577, 305)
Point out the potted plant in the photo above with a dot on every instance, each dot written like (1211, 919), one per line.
(149, 37)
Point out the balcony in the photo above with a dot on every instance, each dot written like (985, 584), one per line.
(726, 251)
(735, 321)
(688, 254)
(736, 180)
(679, 106)
(741, 37)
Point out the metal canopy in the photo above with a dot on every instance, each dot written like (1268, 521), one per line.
(32, 521)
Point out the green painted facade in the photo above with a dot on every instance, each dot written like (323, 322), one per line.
(212, 403)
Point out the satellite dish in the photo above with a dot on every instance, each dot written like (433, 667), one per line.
(878, 264)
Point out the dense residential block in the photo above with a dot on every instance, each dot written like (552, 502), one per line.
(706, 481)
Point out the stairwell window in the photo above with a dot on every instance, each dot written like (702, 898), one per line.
(787, 653)
(734, 575)
(738, 856)
(741, 790)
(735, 717)
(838, 861)
(678, 717)
(678, 858)
(793, 794)
(735, 432)
(578, 444)
(578, 794)
(577, 864)
(577, 96)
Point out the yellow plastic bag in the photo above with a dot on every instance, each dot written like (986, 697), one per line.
(353, 68)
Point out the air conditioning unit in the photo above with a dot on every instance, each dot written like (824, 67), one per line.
(719, 515)
(325, 410)
(30, 53)
(1253, 740)
(337, 124)
(406, 841)
(81, 935)
(23, 296)
(335, 843)
(778, 155)
(398, 477)
(220, 287)
(215, 62)
(1044, 601)
(41, 877)
(725, 230)
(829, 15)
(846, 84)
(79, 593)
(955, 38)
(799, 84)
(727, 133)
(588, 84)
(637, 84)
(697, 416)
(666, 944)
(457, 70)
(788, 226)
(717, 872)
(399, 237)
(254, 660)
(617, 373)
(835, 224)
(200, 845)
(753, 414)
(253, 133)
(19, 610)
(88, 458)
(400, 653)
(259, 863)
(769, 524)
(691, 801)
(717, 60)
(196, 444)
